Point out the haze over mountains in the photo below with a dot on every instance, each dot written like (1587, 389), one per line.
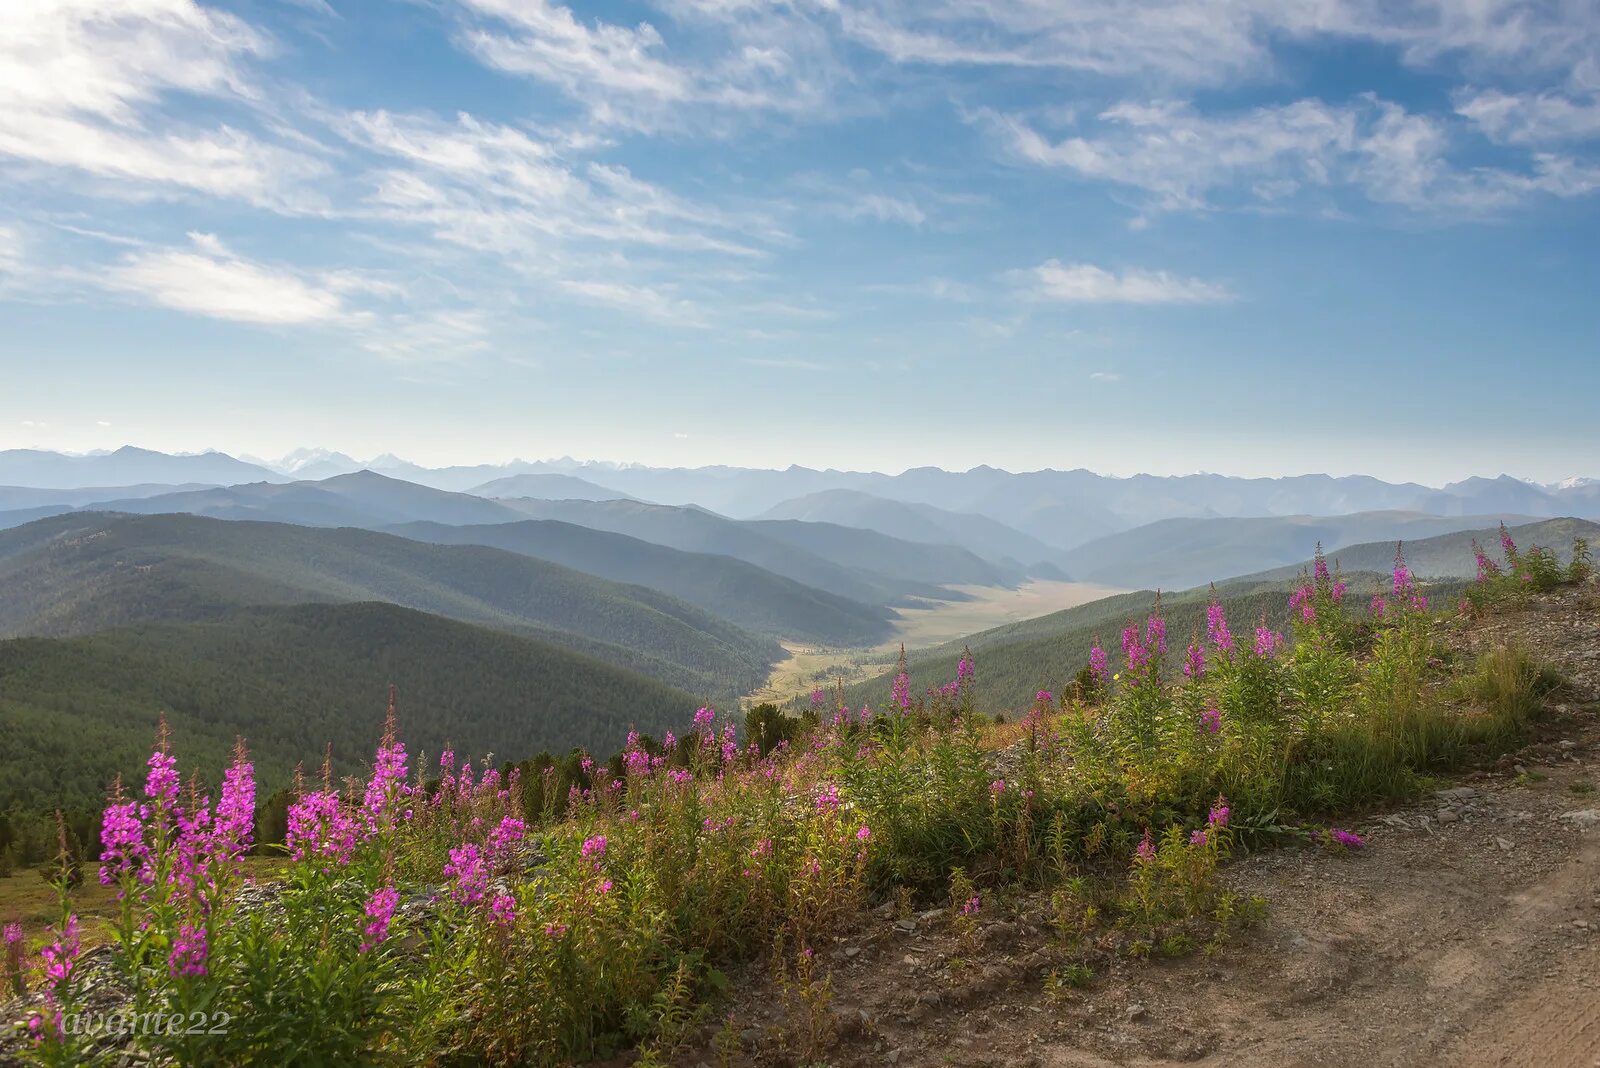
(133, 582)
(1058, 509)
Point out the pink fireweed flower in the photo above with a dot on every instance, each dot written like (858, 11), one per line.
(1347, 839)
(189, 950)
(972, 905)
(236, 808)
(828, 797)
(1320, 566)
(11, 968)
(1194, 661)
(471, 875)
(1155, 633)
(192, 850)
(594, 848)
(1099, 669)
(1487, 568)
(1508, 546)
(321, 827)
(1211, 719)
(818, 696)
(1133, 649)
(1217, 626)
(1404, 585)
(864, 834)
(379, 912)
(900, 694)
(555, 930)
(122, 847)
(447, 761)
(386, 786)
(1304, 598)
(605, 886)
(60, 958)
(503, 910)
(505, 837)
(997, 787)
(1337, 591)
(963, 669)
(1044, 697)
(1218, 817)
(1197, 838)
(161, 781)
(1268, 642)
(1146, 850)
(762, 848)
(705, 724)
(1378, 606)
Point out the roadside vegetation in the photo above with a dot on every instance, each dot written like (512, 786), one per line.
(556, 911)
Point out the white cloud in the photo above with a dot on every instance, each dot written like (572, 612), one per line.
(883, 208)
(642, 300)
(1188, 160)
(787, 363)
(1084, 283)
(498, 188)
(747, 60)
(210, 281)
(1104, 376)
(82, 84)
(11, 250)
(101, 423)
(1531, 118)
(1210, 42)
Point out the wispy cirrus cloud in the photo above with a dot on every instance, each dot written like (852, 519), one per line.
(1185, 159)
(89, 89)
(1085, 283)
(744, 60)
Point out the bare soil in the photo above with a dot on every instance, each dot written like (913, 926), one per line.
(1467, 933)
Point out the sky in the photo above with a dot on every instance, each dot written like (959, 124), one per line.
(1248, 236)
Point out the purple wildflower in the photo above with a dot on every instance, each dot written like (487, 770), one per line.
(189, 950)
(470, 873)
(379, 911)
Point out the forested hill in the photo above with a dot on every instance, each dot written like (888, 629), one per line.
(76, 711)
(750, 596)
(74, 574)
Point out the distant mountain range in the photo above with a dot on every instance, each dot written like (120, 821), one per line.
(1058, 509)
(1179, 553)
(550, 487)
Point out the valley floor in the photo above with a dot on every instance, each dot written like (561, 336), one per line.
(1467, 933)
(923, 626)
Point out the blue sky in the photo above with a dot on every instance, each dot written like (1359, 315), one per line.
(1250, 236)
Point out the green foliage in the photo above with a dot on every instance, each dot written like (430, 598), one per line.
(80, 573)
(293, 680)
(751, 597)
